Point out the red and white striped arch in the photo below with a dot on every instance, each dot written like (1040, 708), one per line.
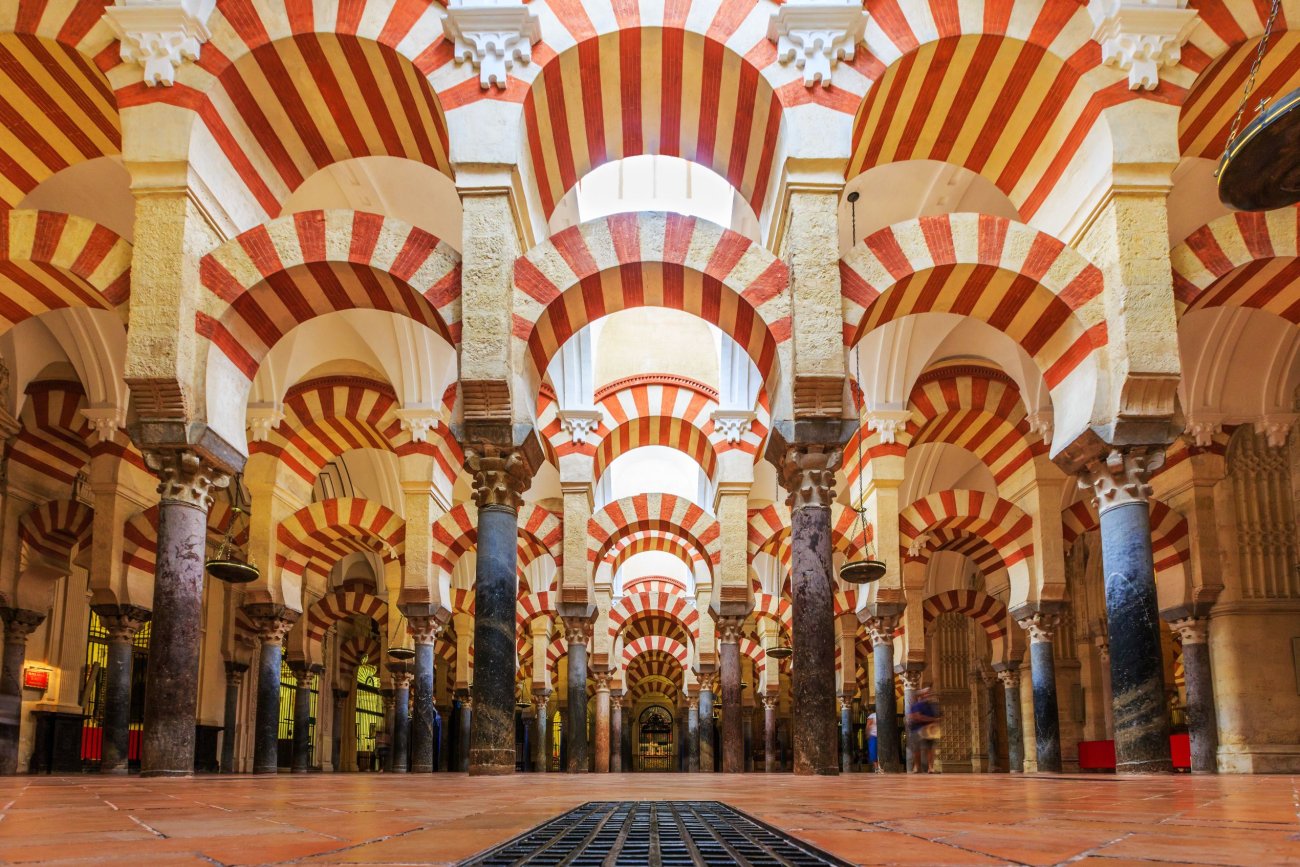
(270, 279)
(53, 441)
(1246, 259)
(673, 433)
(996, 521)
(661, 512)
(985, 610)
(671, 606)
(49, 261)
(57, 529)
(775, 608)
(769, 532)
(663, 541)
(317, 536)
(656, 643)
(456, 532)
(655, 584)
(342, 604)
(529, 607)
(651, 260)
(1171, 549)
(140, 546)
(358, 649)
(1023, 282)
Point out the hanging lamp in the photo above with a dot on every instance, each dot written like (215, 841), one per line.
(400, 652)
(232, 564)
(1260, 167)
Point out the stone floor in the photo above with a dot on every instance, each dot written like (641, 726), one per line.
(385, 819)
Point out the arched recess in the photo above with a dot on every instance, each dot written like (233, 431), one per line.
(673, 433)
(987, 611)
(661, 512)
(274, 277)
(53, 443)
(656, 644)
(317, 536)
(342, 604)
(673, 607)
(660, 541)
(1026, 284)
(651, 90)
(942, 520)
(51, 261)
(651, 260)
(655, 584)
(57, 529)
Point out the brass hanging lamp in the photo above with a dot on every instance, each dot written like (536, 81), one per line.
(401, 652)
(868, 569)
(232, 564)
(1260, 167)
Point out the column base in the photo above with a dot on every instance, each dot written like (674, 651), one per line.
(113, 772)
(422, 769)
(1154, 766)
(272, 770)
(491, 763)
(178, 774)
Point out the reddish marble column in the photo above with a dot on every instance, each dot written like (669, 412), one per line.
(601, 745)
(771, 761)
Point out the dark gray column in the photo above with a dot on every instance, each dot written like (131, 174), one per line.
(1202, 725)
(465, 722)
(578, 634)
(693, 734)
(706, 725)
(748, 714)
(19, 624)
(500, 475)
(626, 746)
(616, 733)
(444, 739)
(171, 694)
(336, 740)
(881, 629)
(542, 738)
(389, 696)
(1009, 674)
(402, 677)
(230, 723)
(989, 680)
(1047, 721)
(807, 472)
(733, 731)
(771, 762)
(122, 623)
(846, 734)
(1132, 610)
(424, 630)
(273, 623)
(303, 673)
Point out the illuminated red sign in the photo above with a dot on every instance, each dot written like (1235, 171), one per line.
(36, 678)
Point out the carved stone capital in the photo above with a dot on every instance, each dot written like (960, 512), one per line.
(499, 474)
(881, 629)
(1042, 423)
(235, 672)
(272, 621)
(887, 422)
(693, 702)
(261, 419)
(1040, 625)
(728, 629)
(1192, 630)
(1103, 649)
(1276, 427)
(1010, 678)
(580, 423)
(732, 424)
(424, 629)
(846, 703)
(185, 477)
(602, 679)
(807, 472)
(1141, 37)
(402, 677)
(20, 623)
(541, 698)
(911, 678)
(815, 35)
(1121, 477)
(770, 702)
(105, 421)
(577, 630)
(419, 422)
(160, 35)
(493, 35)
(709, 683)
(122, 621)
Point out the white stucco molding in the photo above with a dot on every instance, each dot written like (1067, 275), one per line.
(261, 419)
(160, 35)
(419, 421)
(1276, 427)
(1141, 37)
(580, 423)
(105, 421)
(493, 35)
(887, 422)
(733, 424)
(815, 35)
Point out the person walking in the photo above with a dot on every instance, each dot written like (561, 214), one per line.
(873, 744)
(923, 725)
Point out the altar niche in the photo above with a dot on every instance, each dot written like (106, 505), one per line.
(655, 747)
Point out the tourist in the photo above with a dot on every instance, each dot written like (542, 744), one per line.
(923, 725)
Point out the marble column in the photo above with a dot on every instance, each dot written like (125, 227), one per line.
(733, 731)
(500, 475)
(601, 745)
(807, 472)
(1202, 726)
(273, 623)
(626, 716)
(706, 725)
(424, 631)
(336, 742)
(770, 759)
(616, 733)
(19, 624)
(444, 739)
(541, 738)
(466, 719)
(693, 734)
(1107, 695)
(303, 672)
(846, 734)
(1047, 721)
(389, 696)
(230, 724)
(577, 632)
(1132, 610)
(748, 715)
(402, 677)
(989, 680)
(171, 693)
(881, 629)
(1010, 677)
(911, 677)
(122, 623)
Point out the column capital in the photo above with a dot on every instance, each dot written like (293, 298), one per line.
(402, 677)
(1121, 476)
(911, 678)
(499, 474)
(881, 628)
(577, 630)
(846, 703)
(1192, 630)
(424, 629)
(617, 699)
(1010, 677)
(728, 629)
(20, 623)
(272, 621)
(771, 701)
(235, 671)
(602, 679)
(807, 472)
(693, 701)
(185, 476)
(541, 698)
(1041, 625)
(122, 621)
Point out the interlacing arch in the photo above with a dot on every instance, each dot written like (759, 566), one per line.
(359, 649)
(1170, 536)
(985, 610)
(456, 532)
(663, 541)
(775, 608)
(651, 260)
(1246, 259)
(265, 282)
(57, 529)
(996, 521)
(343, 603)
(656, 643)
(1023, 282)
(51, 261)
(54, 438)
(662, 512)
(319, 535)
(674, 607)
(651, 671)
(655, 584)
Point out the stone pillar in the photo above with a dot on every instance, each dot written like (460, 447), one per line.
(616, 733)
(577, 632)
(230, 724)
(500, 475)
(171, 694)
(466, 719)
(1107, 694)
(1010, 677)
(601, 745)
(807, 472)
(19, 624)
(336, 745)
(733, 732)
(541, 753)
(748, 712)
(1047, 721)
(989, 679)
(881, 628)
(424, 631)
(273, 623)
(1202, 726)
(402, 677)
(303, 673)
(846, 733)
(770, 759)
(706, 725)
(693, 734)
(122, 623)
(911, 676)
(1132, 611)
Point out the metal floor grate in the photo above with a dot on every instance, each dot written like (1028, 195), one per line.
(654, 833)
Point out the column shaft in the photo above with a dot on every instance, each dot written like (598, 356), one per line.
(706, 731)
(693, 736)
(266, 732)
(1202, 725)
(302, 722)
(602, 738)
(230, 721)
(402, 724)
(466, 720)
(1047, 720)
(769, 735)
(492, 732)
(336, 745)
(541, 756)
(733, 732)
(882, 656)
(422, 711)
(846, 735)
(1015, 728)
(575, 723)
(991, 722)
(616, 738)
(813, 636)
(19, 624)
(117, 704)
